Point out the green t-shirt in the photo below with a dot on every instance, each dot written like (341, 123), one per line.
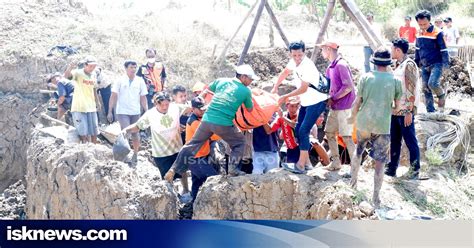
(378, 91)
(229, 94)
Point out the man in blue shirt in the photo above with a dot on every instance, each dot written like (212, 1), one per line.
(65, 90)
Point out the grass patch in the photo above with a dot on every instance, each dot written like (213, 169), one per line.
(436, 207)
(433, 156)
(359, 196)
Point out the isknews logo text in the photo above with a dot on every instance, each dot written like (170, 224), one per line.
(24, 234)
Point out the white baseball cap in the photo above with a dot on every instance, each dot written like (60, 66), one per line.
(246, 70)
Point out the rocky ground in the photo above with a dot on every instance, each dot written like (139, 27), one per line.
(13, 201)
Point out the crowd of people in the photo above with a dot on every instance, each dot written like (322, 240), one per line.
(372, 115)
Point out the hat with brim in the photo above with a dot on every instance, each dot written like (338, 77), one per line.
(381, 58)
(90, 60)
(246, 70)
(330, 44)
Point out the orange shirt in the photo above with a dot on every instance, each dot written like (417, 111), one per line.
(408, 33)
(191, 127)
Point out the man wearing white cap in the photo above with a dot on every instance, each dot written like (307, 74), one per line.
(85, 101)
(229, 95)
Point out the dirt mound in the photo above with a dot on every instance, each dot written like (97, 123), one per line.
(12, 202)
(269, 63)
(456, 79)
(23, 28)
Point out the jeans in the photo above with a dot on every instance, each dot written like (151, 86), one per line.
(397, 132)
(367, 54)
(265, 161)
(431, 84)
(105, 94)
(307, 117)
(201, 169)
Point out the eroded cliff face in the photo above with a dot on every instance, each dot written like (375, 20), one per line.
(278, 195)
(83, 182)
(17, 118)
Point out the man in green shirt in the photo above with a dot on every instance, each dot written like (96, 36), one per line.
(229, 95)
(376, 92)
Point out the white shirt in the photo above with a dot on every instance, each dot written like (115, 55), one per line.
(165, 138)
(128, 95)
(452, 34)
(306, 71)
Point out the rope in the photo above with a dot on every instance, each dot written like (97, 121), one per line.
(456, 134)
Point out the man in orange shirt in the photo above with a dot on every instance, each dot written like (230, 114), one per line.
(407, 31)
(201, 167)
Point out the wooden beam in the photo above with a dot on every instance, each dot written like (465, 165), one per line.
(252, 32)
(221, 56)
(355, 11)
(56, 121)
(324, 27)
(276, 23)
(358, 24)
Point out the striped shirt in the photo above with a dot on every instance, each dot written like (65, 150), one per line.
(165, 136)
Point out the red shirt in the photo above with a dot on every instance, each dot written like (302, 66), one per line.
(287, 131)
(408, 33)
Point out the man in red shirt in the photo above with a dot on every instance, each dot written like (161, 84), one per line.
(408, 32)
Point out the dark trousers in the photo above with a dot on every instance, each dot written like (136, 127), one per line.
(200, 169)
(149, 99)
(292, 155)
(397, 132)
(105, 95)
(229, 134)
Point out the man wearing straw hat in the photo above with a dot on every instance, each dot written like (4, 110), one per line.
(377, 90)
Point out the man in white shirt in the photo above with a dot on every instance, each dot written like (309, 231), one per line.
(452, 36)
(313, 102)
(129, 100)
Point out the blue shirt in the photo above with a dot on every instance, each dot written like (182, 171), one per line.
(66, 89)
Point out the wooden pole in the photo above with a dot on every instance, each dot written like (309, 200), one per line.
(271, 34)
(324, 27)
(276, 23)
(358, 24)
(221, 56)
(252, 32)
(355, 11)
(51, 119)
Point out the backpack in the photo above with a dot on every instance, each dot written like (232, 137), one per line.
(324, 84)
